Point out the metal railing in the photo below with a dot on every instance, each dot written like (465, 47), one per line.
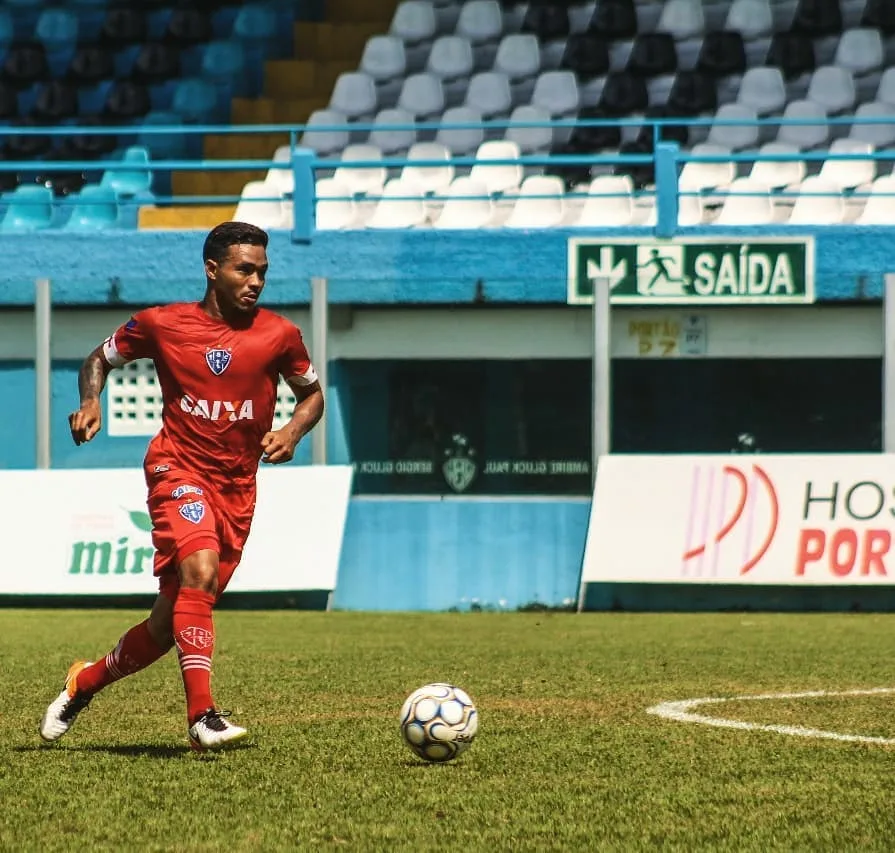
(663, 162)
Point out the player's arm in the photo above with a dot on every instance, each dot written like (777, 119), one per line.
(87, 421)
(133, 340)
(279, 446)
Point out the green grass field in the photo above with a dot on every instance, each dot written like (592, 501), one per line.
(566, 758)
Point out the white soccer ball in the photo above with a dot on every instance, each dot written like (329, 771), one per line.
(439, 722)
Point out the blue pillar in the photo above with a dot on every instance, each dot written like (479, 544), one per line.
(303, 195)
(666, 189)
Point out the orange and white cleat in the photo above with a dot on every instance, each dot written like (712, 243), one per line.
(64, 709)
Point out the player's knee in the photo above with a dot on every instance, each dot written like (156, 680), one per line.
(200, 571)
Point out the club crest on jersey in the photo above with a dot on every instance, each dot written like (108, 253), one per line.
(218, 360)
(193, 512)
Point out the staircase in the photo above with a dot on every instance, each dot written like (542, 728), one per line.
(293, 89)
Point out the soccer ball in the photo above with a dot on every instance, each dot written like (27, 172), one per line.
(438, 722)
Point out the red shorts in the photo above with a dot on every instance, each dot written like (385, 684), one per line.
(188, 515)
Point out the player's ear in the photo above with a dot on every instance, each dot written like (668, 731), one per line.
(211, 268)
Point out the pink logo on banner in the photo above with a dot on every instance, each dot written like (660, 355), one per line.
(738, 531)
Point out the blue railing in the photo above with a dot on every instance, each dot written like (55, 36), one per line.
(665, 161)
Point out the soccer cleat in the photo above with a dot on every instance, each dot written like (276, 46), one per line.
(64, 709)
(212, 731)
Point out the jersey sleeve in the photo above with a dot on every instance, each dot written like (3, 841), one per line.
(295, 363)
(135, 339)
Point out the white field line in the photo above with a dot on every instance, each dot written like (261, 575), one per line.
(682, 712)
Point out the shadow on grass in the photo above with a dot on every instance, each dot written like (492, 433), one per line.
(133, 750)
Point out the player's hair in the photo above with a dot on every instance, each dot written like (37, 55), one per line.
(228, 234)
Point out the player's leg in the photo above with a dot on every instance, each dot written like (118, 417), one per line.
(194, 635)
(137, 648)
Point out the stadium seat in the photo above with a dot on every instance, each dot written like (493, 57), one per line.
(127, 101)
(195, 101)
(62, 183)
(57, 102)
(833, 88)
(163, 146)
(498, 178)
(155, 63)
(698, 176)
(540, 203)
(860, 51)
(804, 136)
(609, 203)
(29, 208)
(57, 31)
(133, 181)
(460, 140)
(652, 55)
(422, 95)
(548, 23)
(123, 26)
(7, 29)
(816, 18)
(881, 132)
(880, 206)
(415, 22)
(399, 206)
(722, 57)
(794, 55)
(763, 90)
(361, 179)
(880, 15)
(224, 64)
(489, 94)
(335, 209)
(519, 58)
(467, 206)
(430, 179)
(384, 62)
(392, 132)
(354, 96)
(95, 209)
(90, 64)
(451, 59)
(741, 133)
(261, 204)
(188, 26)
(556, 92)
(530, 140)
(25, 63)
(587, 55)
(692, 94)
(752, 19)
(885, 92)
(255, 25)
(616, 20)
(778, 173)
(747, 203)
(596, 137)
(682, 19)
(325, 142)
(481, 22)
(848, 174)
(9, 102)
(819, 202)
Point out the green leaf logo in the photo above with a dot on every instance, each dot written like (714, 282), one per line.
(141, 520)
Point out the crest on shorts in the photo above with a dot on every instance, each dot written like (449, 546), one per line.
(193, 511)
(218, 360)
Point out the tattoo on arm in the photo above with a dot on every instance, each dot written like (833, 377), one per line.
(92, 377)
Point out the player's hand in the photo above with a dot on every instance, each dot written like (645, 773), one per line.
(279, 446)
(86, 422)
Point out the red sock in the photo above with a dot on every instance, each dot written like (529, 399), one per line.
(194, 636)
(135, 651)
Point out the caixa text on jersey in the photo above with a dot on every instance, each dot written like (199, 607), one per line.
(218, 410)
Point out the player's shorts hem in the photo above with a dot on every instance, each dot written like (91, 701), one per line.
(203, 541)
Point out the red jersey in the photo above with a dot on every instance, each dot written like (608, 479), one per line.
(218, 383)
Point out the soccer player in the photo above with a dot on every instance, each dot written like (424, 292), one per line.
(218, 363)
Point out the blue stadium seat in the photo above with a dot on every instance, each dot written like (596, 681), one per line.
(224, 65)
(30, 208)
(163, 146)
(130, 182)
(7, 30)
(195, 101)
(95, 209)
(57, 31)
(24, 14)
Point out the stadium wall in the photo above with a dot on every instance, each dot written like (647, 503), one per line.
(402, 267)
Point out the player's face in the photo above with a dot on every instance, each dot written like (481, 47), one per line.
(239, 278)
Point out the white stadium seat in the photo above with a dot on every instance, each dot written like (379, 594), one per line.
(261, 204)
(422, 95)
(501, 177)
(804, 136)
(451, 59)
(325, 142)
(385, 61)
(741, 134)
(764, 90)
(609, 203)
(430, 179)
(460, 140)
(540, 203)
(481, 21)
(354, 95)
(530, 139)
(751, 18)
(390, 140)
(335, 209)
(489, 94)
(778, 173)
(684, 19)
(519, 57)
(361, 179)
(880, 207)
(880, 130)
(467, 206)
(747, 203)
(848, 174)
(416, 24)
(833, 88)
(399, 206)
(819, 202)
(700, 176)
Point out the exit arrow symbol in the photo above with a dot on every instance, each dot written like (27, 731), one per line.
(606, 270)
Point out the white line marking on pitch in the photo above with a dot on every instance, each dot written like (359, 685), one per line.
(682, 712)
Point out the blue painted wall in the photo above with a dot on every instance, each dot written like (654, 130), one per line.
(150, 267)
(442, 554)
